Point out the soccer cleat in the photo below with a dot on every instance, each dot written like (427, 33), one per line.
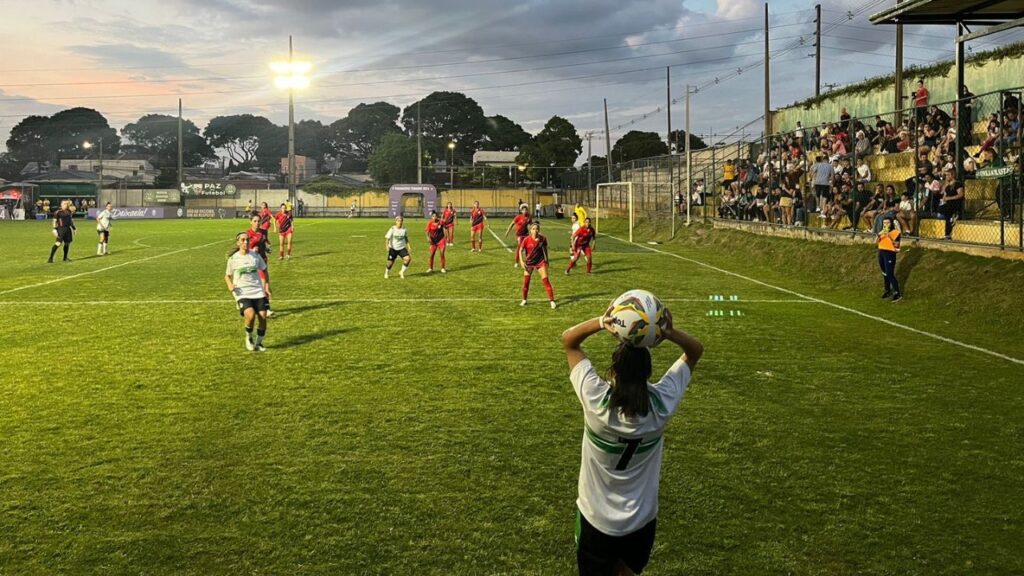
(288, 257)
(897, 297)
(280, 258)
(269, 312)
(567, 272)
(260, 347)
(523, 303)
(401, 274)
(886, 294)
(429, 270)
(67, 259)
(248, 344)
(385, 274)
(553, 305)
(516, 265)
(443, 271)
(50, 261)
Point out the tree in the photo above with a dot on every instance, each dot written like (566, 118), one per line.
(447, 116)
(557, 144)
(636, 144)
(356, 136)
(157, 135)
(394, 160)
(41, 138)
(504, 134)
(310, 140)
(10, 169)
(679, 142)
(242, 136)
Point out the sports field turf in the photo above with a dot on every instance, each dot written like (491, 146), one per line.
(427, 425)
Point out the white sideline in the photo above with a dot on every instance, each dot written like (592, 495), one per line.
(136, 261)
(833, 305)
(374, 301)
(498, 238)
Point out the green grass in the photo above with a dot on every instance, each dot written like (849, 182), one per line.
(427, 426)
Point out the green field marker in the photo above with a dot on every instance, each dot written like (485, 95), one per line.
(722, 313)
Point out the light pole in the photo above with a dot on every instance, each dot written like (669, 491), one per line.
(291, 75)
(451, 146)
(99, 172)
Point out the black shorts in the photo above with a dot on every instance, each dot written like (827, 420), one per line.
(395, 254)
(104, 234)
(257, 304)
(65, 235)
(598, 553)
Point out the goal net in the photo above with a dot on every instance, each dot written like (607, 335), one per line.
(614, 200)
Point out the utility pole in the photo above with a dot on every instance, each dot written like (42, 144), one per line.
(419, 145)
(607, 141)
(817, 50)
(689, 164)
(181, 177)
(767, 75)
(671, 157)
(899, 74)
(291, 130)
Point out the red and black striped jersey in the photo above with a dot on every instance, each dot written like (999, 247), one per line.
(435, 231)
(476, 216)
(284, 222)
(522, 222)
(536, 250)
(448, 216)
(265, 216)
(257, 240)
(582, 237)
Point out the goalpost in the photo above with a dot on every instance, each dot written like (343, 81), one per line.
(597, 207)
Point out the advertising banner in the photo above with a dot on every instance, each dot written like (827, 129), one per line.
(133, 213)
(209, 190)
(161, 197)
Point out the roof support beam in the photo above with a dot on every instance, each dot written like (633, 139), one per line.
(990, 30)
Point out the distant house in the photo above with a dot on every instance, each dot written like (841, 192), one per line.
(305, 167)
(32, 168)
(69, 184)
(494, 158)
(132, 169)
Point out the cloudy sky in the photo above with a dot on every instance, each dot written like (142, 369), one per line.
(527, 60)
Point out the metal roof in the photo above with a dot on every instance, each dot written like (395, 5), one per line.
(983, 12)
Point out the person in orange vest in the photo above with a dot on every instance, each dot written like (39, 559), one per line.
(888, 247)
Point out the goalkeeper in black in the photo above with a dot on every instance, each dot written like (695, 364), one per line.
(63, 230)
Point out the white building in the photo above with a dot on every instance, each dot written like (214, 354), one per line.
(495, 158)
(130, 168)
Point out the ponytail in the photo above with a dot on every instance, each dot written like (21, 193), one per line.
(629, 372)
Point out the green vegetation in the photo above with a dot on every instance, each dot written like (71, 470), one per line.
(427, 425)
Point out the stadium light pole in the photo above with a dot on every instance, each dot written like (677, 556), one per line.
(291, 75)
(99, 172)
(451, 168)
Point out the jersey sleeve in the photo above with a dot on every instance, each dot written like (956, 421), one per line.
(391, 232)
(672, 386)
(230, 269)
(589, 386)
(261, 264)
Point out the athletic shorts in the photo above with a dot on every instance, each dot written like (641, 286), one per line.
(530, 268)
(450, 225)
(287, 234)
(104, 234)
(477, 228)
(439, 246)
(65, 235)
(395, 254)
(587, 250)
(257, 304)
(599, 553)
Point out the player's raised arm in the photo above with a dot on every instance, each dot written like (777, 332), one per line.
(692, 348)
(572, 339)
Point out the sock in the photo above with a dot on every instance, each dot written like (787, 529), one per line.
(99, 248)
(282, 252)
(260, 334)
(588, 265)
(289, 249)
(404, 268)
(248, 332)
(526, 286)
(430, 265)
(105, 247)
(442, 260)
(53, 250)
(572, 263)
(66, 251)
(549, 289)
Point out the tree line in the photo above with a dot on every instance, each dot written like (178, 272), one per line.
(377, 137)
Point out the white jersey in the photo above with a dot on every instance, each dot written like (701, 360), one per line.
(103, 220)
(244, 270)
(398, 238)
(621, 464)
(575, 227)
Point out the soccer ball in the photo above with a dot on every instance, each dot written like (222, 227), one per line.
(638, 319)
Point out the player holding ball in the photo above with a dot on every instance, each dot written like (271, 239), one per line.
(624, 419)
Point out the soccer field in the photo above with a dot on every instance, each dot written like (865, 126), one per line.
(427, 425)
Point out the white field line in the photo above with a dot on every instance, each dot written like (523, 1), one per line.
(831, 304)
(368, 301)
(138, 242)
(97, 271)
(498, 238)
